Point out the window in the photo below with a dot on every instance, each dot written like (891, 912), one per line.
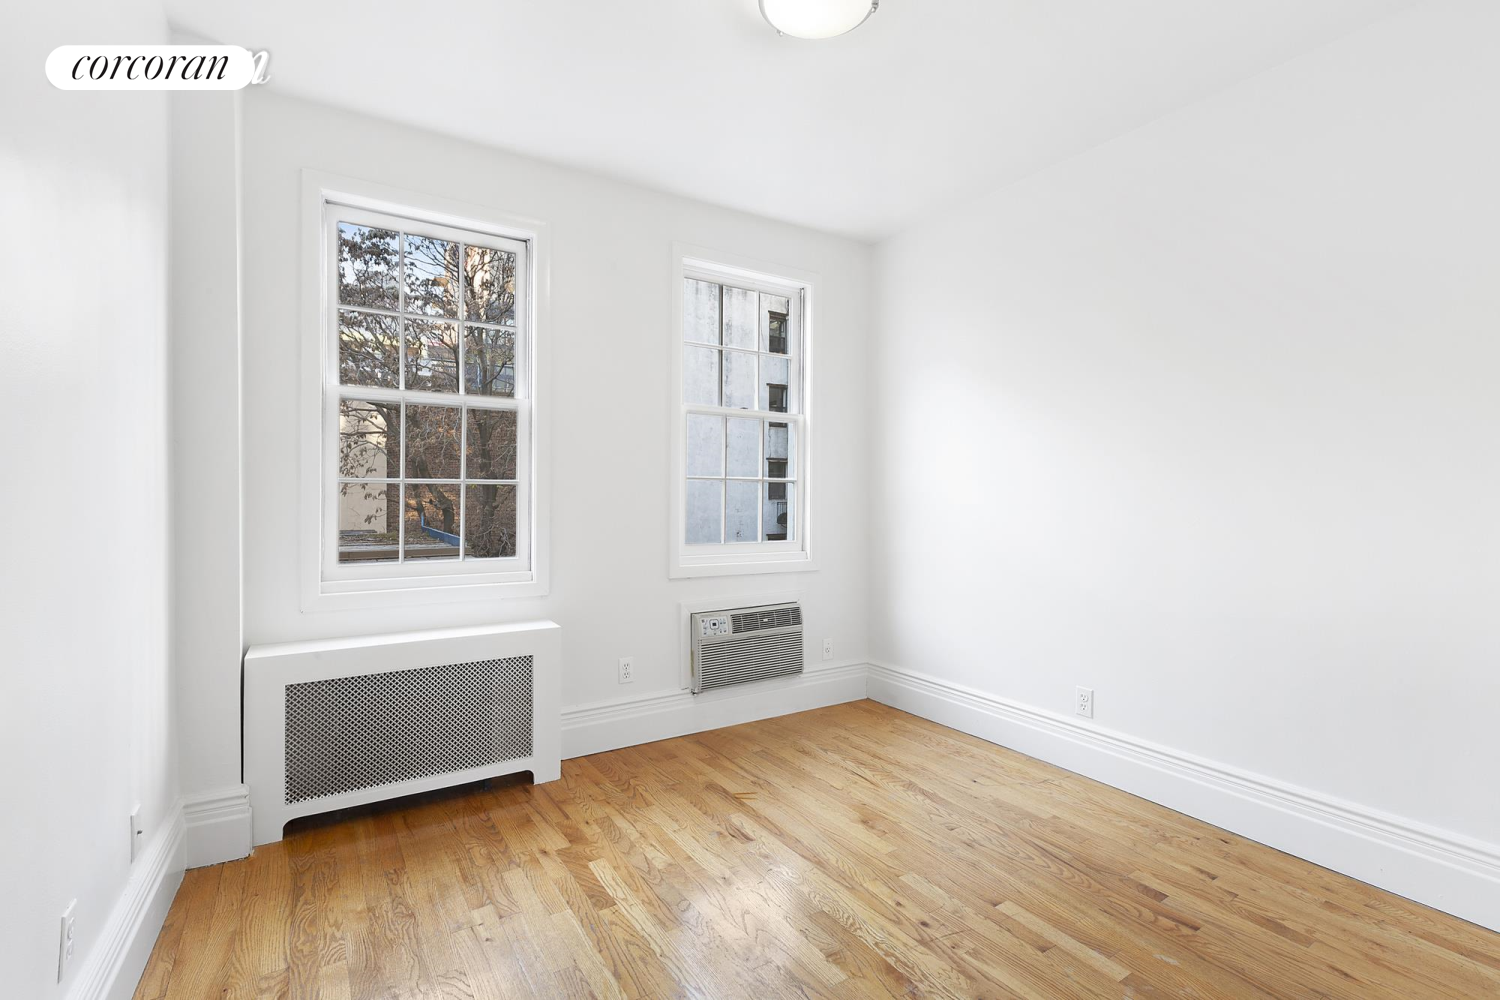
(777, 330)
(742, 428)
(428, 419)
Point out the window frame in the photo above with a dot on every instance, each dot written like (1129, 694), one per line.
(327, 583)
(734, 558)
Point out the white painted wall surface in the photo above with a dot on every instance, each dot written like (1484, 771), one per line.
(85, 696)
(1206, 419)
(611, 396)
(205, 369)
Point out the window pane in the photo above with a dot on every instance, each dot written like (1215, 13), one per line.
(368, 522)
(492, 444)
(369, 440)
(705, 445)
(775, 325)
(489, 361)
(432, 521)
(489, 285)
(774, 382)
(432, 442)
(739, 380)
(739, 318)
(490, 512)
(431, 276)
(369, 349)
(700, 312)
(368, 265)
(700, 375)
(742, 516)
(781, 447)
(778, 512)
(744, 447)
(431, 355)
(705, 510)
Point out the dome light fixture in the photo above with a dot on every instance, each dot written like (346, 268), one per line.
(815, 19)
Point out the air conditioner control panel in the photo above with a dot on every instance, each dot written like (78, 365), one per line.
(714, 625)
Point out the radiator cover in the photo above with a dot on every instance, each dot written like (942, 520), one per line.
(338, 723)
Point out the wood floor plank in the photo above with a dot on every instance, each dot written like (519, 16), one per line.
(194, 902)
(848, 852)
(208, 940)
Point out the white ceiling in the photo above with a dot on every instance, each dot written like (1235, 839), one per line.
(931, 101)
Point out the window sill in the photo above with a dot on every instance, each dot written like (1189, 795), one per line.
(397, 593)
(684, 568)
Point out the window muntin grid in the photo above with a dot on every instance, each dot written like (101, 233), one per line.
(742, 401)
(428, 397)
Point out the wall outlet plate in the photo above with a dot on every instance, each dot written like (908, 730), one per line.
(137, 832)
(1084, 703)
(65, 941)
(627, 669)
(827, 649)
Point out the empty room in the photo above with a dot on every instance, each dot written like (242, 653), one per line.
(750, 498)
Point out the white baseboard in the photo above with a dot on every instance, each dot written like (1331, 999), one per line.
(218, 826)
(625, 722)
(115, 963)
(1445, 870)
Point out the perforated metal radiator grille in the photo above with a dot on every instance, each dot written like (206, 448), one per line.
(750, 658)
(350, 733)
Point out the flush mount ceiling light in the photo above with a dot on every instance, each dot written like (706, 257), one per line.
(816, 18)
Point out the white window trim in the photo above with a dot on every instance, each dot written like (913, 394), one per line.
(460, 580)
(686, 560)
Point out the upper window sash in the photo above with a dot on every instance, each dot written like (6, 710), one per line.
(335, 212)
(789, 335)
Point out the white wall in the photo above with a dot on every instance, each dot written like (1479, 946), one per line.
(1206, 419)
(205, 377)
(611, 308)
(85, 698)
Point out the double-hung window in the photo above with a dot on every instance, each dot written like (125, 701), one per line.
(741, 482)
(427, 404)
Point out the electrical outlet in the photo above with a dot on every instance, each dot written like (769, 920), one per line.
(65, 941)
(827, 649)
(1084, 706)
(627, 669)
(137, 832)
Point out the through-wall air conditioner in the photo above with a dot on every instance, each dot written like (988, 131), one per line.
(337, 723)
(738, 645)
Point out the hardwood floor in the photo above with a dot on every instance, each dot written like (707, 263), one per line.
(847, 852)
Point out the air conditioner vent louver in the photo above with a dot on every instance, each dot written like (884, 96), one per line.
(759, 618)
(344, 734)
(739, 645)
